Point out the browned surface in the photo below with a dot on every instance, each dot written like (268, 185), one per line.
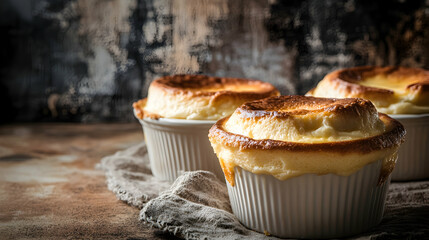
(49, 187)
(391, 73)
(191, 83)
(141, 113)
(217, 89)
(291, 105)
(392, 137)
(349, 79)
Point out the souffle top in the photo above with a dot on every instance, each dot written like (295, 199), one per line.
(289, 136)
(393, 90)
(199, 97)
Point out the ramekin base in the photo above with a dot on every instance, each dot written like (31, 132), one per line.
(413, 154)
(309, 206)
(175, 146)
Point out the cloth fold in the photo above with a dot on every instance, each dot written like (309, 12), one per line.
(128, 175)
(196, 205)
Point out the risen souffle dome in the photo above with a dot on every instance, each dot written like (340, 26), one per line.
(393, 90)
(199, 97)
(288, 136)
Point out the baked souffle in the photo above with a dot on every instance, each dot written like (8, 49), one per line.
(288, 136)
(199, 97)
(393, 90)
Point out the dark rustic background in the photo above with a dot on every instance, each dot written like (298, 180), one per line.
(87, 61)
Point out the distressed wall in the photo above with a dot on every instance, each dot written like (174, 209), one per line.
(87, 61)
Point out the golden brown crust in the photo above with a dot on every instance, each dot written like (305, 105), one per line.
(292, 105)
(393, 90)
(381, 137)
(349, 79)
(138, 107)
(202, 85)
(391, 138)
(199, 97)
(141, 113)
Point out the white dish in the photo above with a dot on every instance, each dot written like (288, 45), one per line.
(178, 145)
(309, 206)
(413, 159)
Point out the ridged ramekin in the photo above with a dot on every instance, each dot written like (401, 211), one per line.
(413, 159)
(309, 206)
(178, 145)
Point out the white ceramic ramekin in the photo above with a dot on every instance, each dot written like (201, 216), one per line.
(178, 145)
(413, 159)
(309, 206)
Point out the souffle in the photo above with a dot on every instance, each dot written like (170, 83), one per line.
(288, 136)
(401, 92)
(178, 113)
(306, 167)
(199, 97)
(393, 90)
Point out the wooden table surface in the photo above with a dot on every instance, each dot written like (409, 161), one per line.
(50, 189)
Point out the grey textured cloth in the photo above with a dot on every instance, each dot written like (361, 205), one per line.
(196, 205)
(129, 176)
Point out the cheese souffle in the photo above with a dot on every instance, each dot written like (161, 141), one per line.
(393, 90)
(401, 92)
(199, 97)
(306, 167)
(178, 113)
